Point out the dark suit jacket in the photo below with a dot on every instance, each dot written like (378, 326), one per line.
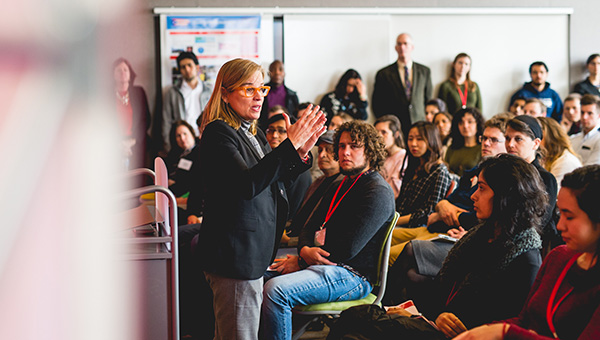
(389, 96)
(245, 201)
(141, 123)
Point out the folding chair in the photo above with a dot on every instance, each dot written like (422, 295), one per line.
(330, 310)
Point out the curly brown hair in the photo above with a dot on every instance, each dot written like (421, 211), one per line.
(364, 134)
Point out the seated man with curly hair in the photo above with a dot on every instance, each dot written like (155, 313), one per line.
(339, 244)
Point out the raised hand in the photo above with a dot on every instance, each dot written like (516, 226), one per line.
(302, 133)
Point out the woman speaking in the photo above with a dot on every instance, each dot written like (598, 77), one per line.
(243, 183)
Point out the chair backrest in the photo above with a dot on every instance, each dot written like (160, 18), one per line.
(161, 201)
(384, 257)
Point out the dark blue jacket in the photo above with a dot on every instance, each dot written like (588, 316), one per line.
(548, 96)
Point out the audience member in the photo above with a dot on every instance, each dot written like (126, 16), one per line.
(349, 96)
(133, 114)
(432, 107)
(534, 108)
(539, 88)
(465, 151)
(489, 271)
(565, 298)
(459, 91)
(591, 84)
(278, 110)
(425, 183)
(279, 93)
(182, 159)
(524, 138)
(276, 133)
(395, 163)
(338, 119)
(456, 211)
(331, 177)
(245, 203)
(443, 122)
(340, 265)
(517, 105)
(185, 100)
(571, 119)
(559, 158)
(302, 108)
(587, 142)
(403, 88)
(421, 259)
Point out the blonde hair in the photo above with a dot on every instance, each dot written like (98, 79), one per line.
(556, 141)
(232, 75)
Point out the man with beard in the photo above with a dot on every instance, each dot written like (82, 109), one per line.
(339, 245)
(539, 88)
(185, 100)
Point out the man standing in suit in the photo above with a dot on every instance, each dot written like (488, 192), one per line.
(403, 88)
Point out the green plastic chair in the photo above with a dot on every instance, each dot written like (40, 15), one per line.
(330, 310)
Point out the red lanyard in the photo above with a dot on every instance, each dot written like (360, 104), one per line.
(551, 310)
(331, 206)
(452, 294)
(463, 95)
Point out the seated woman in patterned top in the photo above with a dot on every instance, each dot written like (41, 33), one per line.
(425, 183)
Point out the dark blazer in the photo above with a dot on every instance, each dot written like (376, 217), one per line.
(389, 96)
(141, 124)
(245, 201)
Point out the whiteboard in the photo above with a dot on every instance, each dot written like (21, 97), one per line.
(319, 48)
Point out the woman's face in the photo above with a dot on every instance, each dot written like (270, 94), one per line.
(520, 144)
(483, 198)
(416, 143)
(576, 228)
(336, 122)
(184, 137)
(248, 108)
(468, 126)
(122, 75)
(443, 124)
(351, 85)
(462, 66)
(389, 138)
(430, 111)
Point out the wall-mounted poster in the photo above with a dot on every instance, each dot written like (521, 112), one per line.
(214, 39)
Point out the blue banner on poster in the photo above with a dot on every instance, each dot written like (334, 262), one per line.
(213, 22)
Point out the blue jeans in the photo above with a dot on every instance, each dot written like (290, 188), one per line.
(315, 284)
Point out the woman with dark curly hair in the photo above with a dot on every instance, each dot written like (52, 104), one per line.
(349, 96)
(565, 298)
(426, 182)
(465, 151)
(488, 273)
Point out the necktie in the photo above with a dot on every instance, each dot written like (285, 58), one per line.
(407, 84)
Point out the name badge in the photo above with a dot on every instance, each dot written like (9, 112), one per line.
(320, 237)
(185, 164)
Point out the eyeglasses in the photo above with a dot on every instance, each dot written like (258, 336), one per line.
(493, 140)
(279, 131)
(249, 91)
